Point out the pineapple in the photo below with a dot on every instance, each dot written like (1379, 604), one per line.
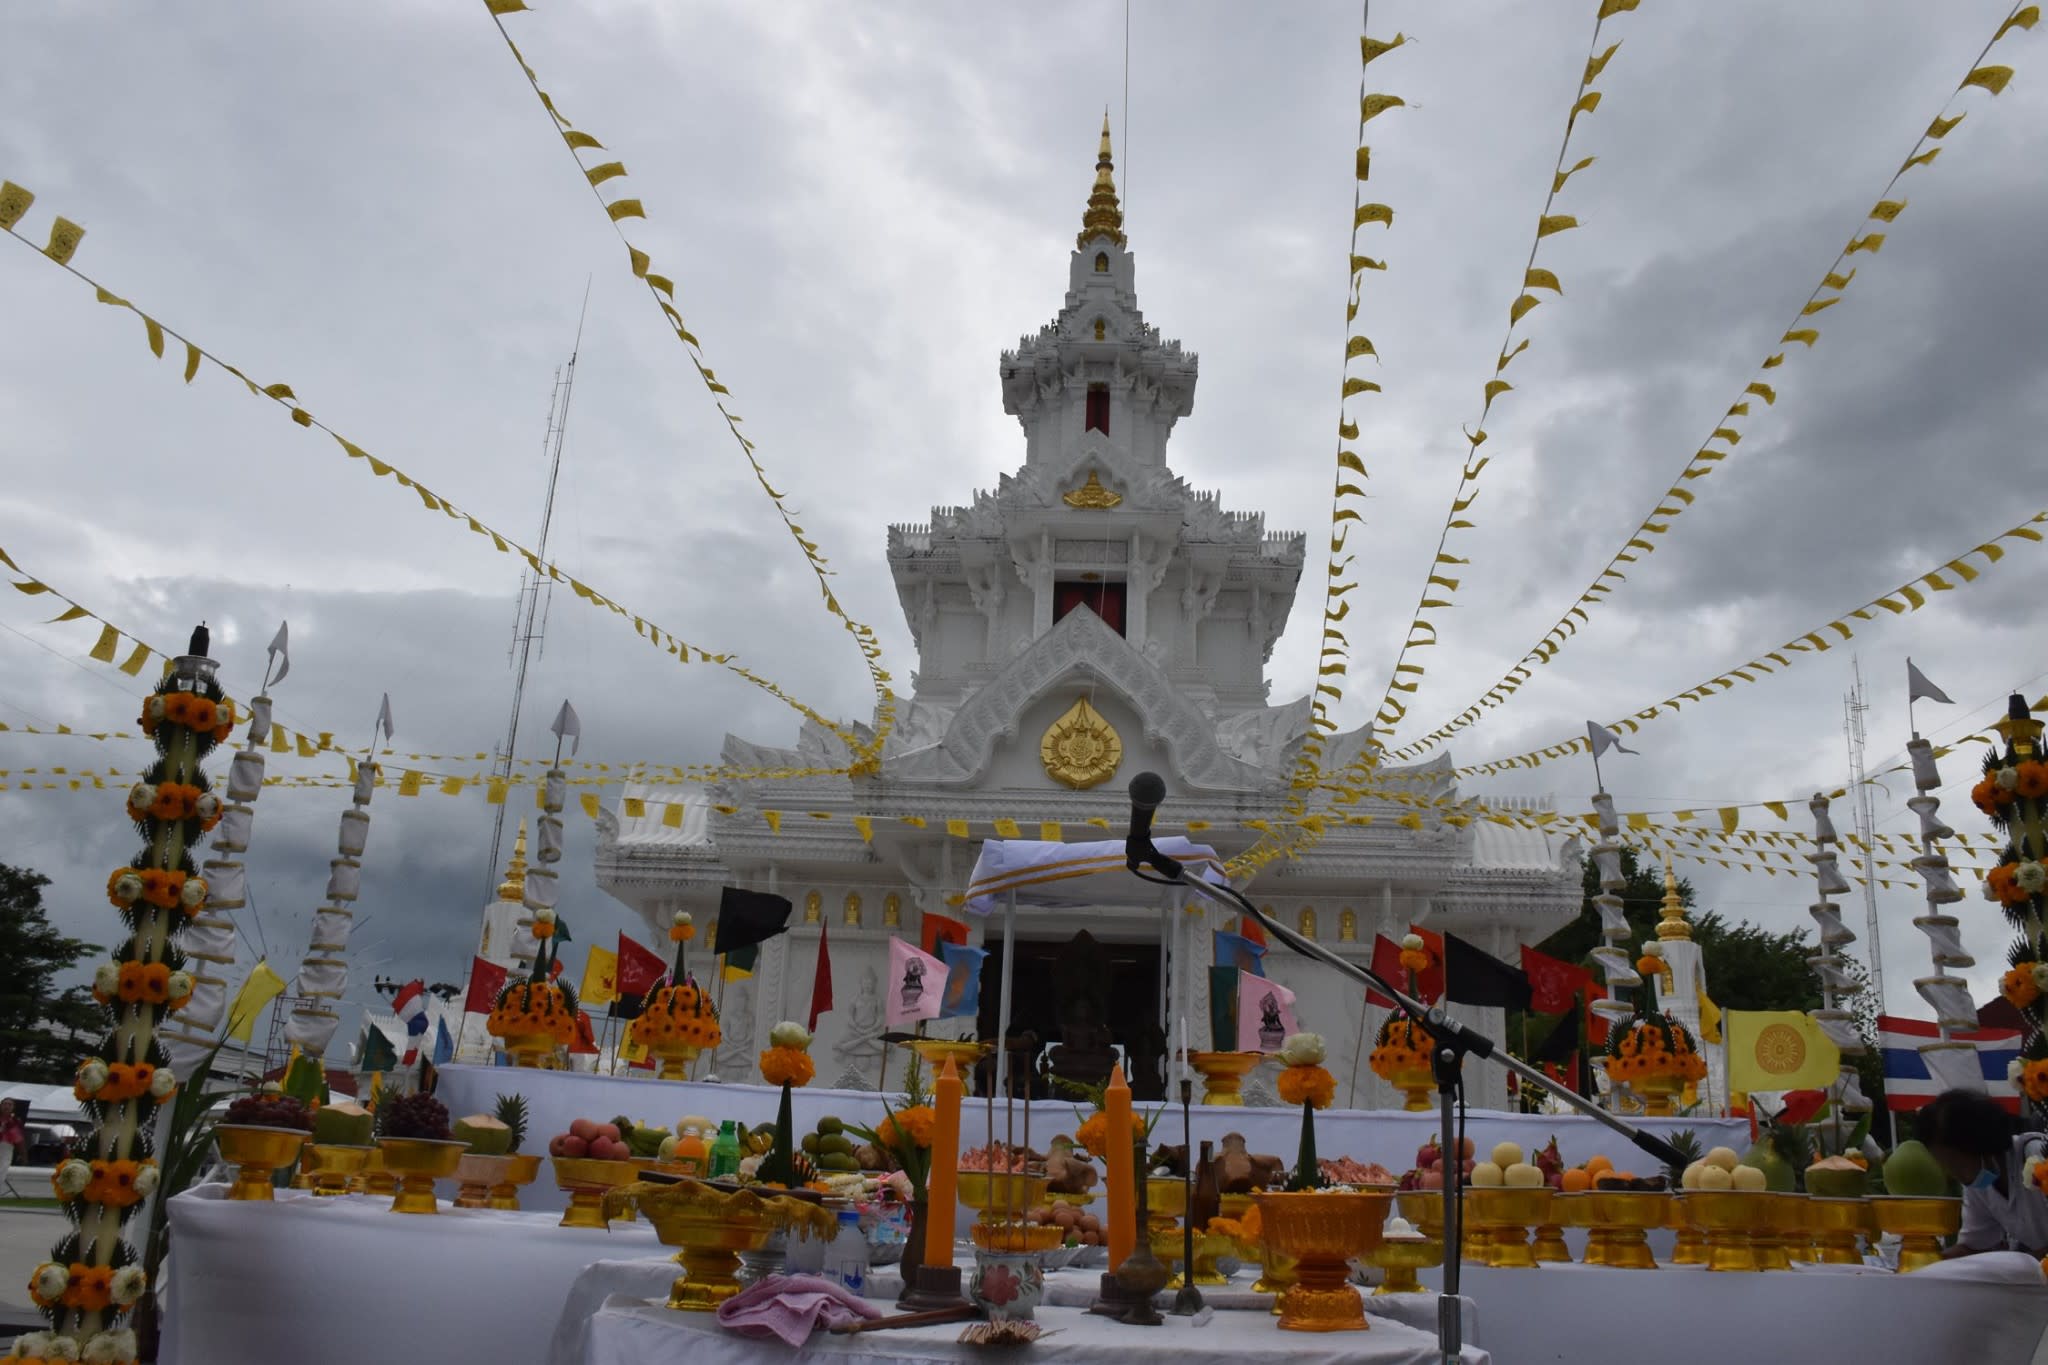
(511, 1111)
(1687, 1142)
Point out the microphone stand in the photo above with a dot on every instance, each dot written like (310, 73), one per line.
(1454, 1042)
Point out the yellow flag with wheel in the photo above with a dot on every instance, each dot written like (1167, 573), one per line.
(262, 987)
(600, 978)
(1778, 1050)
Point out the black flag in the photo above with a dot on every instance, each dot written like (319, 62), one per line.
(1475, 977)
(748, 917)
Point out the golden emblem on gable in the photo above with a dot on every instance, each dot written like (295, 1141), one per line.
(1081, 749)
(1092, 495)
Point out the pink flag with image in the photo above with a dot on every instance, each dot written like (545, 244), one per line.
(916, 988)
(1265, 1013)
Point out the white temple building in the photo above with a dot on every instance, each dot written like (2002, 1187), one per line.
(1092, 593)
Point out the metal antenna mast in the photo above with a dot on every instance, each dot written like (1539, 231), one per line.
(1853, 707)
(536, 590)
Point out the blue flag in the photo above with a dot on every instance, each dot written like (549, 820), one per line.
(963, 980)
(1240, 953)
(444, 1046)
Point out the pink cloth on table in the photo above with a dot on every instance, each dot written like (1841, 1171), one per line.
(792, 1307)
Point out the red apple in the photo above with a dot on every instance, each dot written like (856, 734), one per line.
(555, 1144)
(573, 1146)
(1465, 1148)
(1431, 1179)
(584, 1128)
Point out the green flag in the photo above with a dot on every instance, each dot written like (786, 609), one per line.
(376, 1053)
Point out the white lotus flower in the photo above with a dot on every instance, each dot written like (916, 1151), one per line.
(1654, 948)
(2008, 778)
(162, 1084)
(208, 806)
(179, 985)
(128, 887)
(154, 708)
(681, 919)
(194, 894)
(141, 797)
(544, 916)
(106, 979)
(92, 1074)
(1412, 942)
(789, 1033)
(32, 1345)
(1303, 1049)
(49, 1281)
(73, 1176)
(2031, 877)
(146, 1176)
(99, 1349)
(61, 1348)
(127, 1285)
(125, 1343)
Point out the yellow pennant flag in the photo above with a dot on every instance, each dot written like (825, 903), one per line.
(262, 987)
(600, 978)
(1779, 1050)
(1710, 1018)
(631, 1049)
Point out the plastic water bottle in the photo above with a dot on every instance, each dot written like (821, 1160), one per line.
(846, 1259)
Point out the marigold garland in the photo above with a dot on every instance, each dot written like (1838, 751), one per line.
(2034, 1080)
(1652, 1046)
(533, 1008)
(787, 1065)
(2019, 987)
(1404, 1046)
(1311, 1083)
(678, 1014)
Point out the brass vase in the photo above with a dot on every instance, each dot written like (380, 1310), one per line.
(1504, 1214)
(523, 1171)
(586, 1180)
(1223, 1074)
(1919, 1222)
(711, 1227)
(475, 1175)
(1626, 1217)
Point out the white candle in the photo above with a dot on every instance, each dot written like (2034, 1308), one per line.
(1184, 1047)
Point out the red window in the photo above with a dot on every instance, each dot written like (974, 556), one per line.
(1098, 409)
(1104, 599)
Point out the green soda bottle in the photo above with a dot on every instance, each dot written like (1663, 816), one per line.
(725, 1151)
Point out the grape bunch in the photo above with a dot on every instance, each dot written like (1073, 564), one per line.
(269, 1111)
(417, 1116)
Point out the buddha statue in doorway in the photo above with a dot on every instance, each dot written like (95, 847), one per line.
(1086, 1052)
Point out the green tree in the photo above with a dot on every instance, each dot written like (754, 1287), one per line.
(36, 1019)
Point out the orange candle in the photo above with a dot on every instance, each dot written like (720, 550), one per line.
(1123, 1192)
(942, 1185)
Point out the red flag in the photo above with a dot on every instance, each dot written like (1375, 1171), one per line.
(486, 984)
(937, 929)
(1801, 1105)
(639, 969)
(821, 982)
(1386, 961)
(1247, 927)
(1554, 984)
(1596, 1023)
(554, 968)
(1564, 1073)
(586, 1041)
(1430, 986)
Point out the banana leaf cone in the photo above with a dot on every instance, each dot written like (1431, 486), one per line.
(1308, 1172)
(779, 1168)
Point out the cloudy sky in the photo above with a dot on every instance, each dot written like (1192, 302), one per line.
(861, 205)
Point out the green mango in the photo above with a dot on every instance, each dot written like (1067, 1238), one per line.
(1912, 1170)
(1778, 1172)
(829, 1124)
(810, 1144)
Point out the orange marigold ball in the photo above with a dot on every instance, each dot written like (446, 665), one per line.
(1311, 1083)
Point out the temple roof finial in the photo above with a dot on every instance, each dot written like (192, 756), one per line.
(513, 888)
(1104, 217)
(1673, 924)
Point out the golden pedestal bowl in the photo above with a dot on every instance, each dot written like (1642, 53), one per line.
(256, 1152)
(1835, 1225)
(535, 1051)
(1690, 1247)
(934, 1052)
(1015, 1238)
(586, 1181)
(524, 1169)
(332, 1166)
(475, 1175)
(1416, 1087)
(1506, 1213)
(1400, 1258)
(1627, 1216)
(418, 1163)
(1166, 1202)
(1918, 1221)
(1726, 1217)
(1169, 1246)
(1658, 1094)
(377, 1181)
(675, 1059)
(1234, 1206)
(1425, 1209)
(1323, 1231)
(1223, 1074)
(1573, 1211)
(1778, 1229)
(711, 1228)
(997, 1193)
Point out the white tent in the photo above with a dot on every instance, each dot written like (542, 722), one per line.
(1013, 872)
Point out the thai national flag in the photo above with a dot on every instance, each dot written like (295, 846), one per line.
(410, 1005)
(1907, 1082)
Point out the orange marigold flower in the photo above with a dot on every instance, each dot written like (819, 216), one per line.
(155, 982)
(1307, 1083)
(1093, 1132)
(2018, 987)
(1989, 796)
(2034, 1080)
(2033, 783)
(2004, 880)
(787, 1064)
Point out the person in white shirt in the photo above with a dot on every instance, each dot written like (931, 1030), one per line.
(1973, 1139)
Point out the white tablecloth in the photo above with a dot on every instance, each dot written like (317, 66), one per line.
(311, 1280)
(1390, 1137)
(1984, 1310)
(628, 1332)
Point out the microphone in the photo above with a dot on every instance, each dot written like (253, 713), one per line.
(1147, 791)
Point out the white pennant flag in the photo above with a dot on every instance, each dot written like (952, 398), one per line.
(1919, 689)
(384, 717)
(1604, 739)
(568, 725)
(280, 652)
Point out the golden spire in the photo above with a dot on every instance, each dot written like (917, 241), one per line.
(513, 888)
(1104, 217)
(1673, 925)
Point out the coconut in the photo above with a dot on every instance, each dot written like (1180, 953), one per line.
(485, 1135)
(342, 1125)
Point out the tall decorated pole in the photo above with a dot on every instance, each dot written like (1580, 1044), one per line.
(323, 974)
(536, 1017)
(2014, 793)
(209, 939)
(1612, 956)
(94, 1277)
(1950, 1062)
(1837, 985)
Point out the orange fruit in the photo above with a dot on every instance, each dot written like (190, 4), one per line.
(1576, 1181)
(1597, 1165)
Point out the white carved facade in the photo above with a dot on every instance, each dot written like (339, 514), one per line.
(1205, 594)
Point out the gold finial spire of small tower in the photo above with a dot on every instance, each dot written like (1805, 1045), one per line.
(1673, 924)
(1104, 218)
(513, 888)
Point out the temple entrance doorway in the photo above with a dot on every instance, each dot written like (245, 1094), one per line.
(1086, 1004)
